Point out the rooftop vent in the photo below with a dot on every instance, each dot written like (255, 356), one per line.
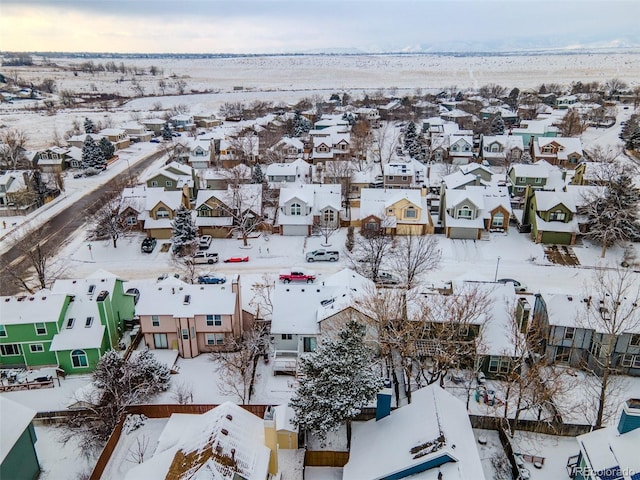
(224, 431)
(229, 417)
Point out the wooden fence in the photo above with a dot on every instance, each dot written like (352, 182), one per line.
(322, 458)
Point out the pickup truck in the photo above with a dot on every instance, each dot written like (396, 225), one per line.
(322, 256)
(205, 257)
(297, 276)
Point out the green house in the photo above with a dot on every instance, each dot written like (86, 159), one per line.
(552, 216)
(70, 326)
(18, 456)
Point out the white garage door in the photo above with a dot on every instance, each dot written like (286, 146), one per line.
(300, 230)
(463, 233)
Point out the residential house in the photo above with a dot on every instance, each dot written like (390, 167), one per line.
(154, 124)
(219, 179)
(470, 213)
(117, 136)
(70, 326)
(219, 212)
(206, 120)
(288, 148)
(305, 314)
(430, 438)
(15, 189)
(191, 319)
(78, 140)
(472, 174)
(509, 117)
(552, 216)
(529, 129)
(18, 455)
(412, 174)
(610, 452)
(282, 174)
(462, 118)
(393, 212)
(330, 143)
(302, 206)
(57, 159)
(501, 149)
(523, 177)
(371, 115)
(565, 101)
(245, 149)
(199, 153)
(182, 122)
(160, 208)
(175, 177)
(227, 442)
(461, 149)
(563, 151)
(132, 206)
(137, 132)
(569, 337)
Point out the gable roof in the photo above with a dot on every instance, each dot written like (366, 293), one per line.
(545, 200)
(15, 420)
(42, 306)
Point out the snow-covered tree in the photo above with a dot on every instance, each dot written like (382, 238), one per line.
(106, 147)
(630, 133)
(497, 125)
(89, 127)
(92, 156)
(339, 382)
(166, 132)
(613, 216)
(412, 142)
(184, 229)
(369, 252)
(348, 116)
(257, 176)
(414, 256)
(301, 125)
(109, 223)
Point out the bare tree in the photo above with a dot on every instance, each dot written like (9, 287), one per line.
(368, 254)
(262, 299)
(162, 85)
(385, 140)
(361, 140)
(185, 262)
(180, 85)
(12, 149)
(183, 393)
(138, 452)
(415, 255)
(572, 124)
(237, 367)
(108, 222)
(614, 86)
(340, 172)
(327, 227)
(612, 309)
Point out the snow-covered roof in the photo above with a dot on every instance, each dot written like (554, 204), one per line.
(434, 425)
(42, 306)
(189, 444)
(163, 299)
(111, 132)
(248, 196)
(85, 331)
(284, 418)
(506, 141)
(15, 420)
(155, 195)
(545, 200)
(567, 145)
(459, 178)
(498, 335)
(100, 280)
(375, 201)
(319, 196)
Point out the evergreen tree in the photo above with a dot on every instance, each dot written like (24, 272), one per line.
(301, 125)
(613, 217)
(497, 125)
(339, 382)
(106, 147)
(349, 118)
(630, 133)
(512, 99)
(257, 175)
(184, 230)
(166, 132)
(92, 156)
(89, 127)
(412, 142)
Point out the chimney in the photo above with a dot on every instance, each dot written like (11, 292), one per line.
(630, 416)
(383, 402)
(271, 438)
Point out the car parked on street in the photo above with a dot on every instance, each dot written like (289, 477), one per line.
(148, 244)
(205, 257)
(297, 275)
(211, 279)
(236, 259)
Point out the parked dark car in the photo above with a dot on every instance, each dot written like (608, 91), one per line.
(211, 279)
(148, 244)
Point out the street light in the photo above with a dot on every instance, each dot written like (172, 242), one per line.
(495, 277)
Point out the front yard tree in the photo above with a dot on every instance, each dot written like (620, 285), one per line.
(257, 176)
(106, 147)
(92, 156)
(301, 125)
(184, 230)
(89, 127)
(572, 124)
(339, 382)
(119, 383)
(415, 255)
(612, 310)
(369, 252)
(12, 150)
(412, 142)
(109, 223)
(613, 216)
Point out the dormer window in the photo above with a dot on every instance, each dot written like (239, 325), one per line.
(295, 209)
(557, 216)
(465, 212)
(162, 213)
(410, 212)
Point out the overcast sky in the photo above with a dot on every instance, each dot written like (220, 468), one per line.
(273, 26)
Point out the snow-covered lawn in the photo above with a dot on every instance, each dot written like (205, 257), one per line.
(553, 449)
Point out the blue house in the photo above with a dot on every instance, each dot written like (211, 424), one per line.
(18, 457)
(431, 436)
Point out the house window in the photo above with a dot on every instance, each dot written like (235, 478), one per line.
(287, 336)
(155, 320)
(404, 178)
(162, 213)
(132, 220)
(219, 338)
(634, 342)
(41, 328)
(204, 212)
(169, 183)
(211, 339)
(193, 332)
(499, 365)
(36, 348)
(154, 183)
(636, 361)
(521, 180)
(295, 209)
(70, 322)
(185, 334)
(557, 216)
(390, 177)
(371, 226)
(88, 322)
(569, 333)
(309, 344)
(10, 349)
(410, 212)
(498, 220)
(160, 340)
(217, 320)
(537, 180)
(465, 212)
(329, 216)
(562, 355)
(79, 359)
(3, 331)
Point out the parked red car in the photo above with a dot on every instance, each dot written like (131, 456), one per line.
(298, 275)
(236, 259)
